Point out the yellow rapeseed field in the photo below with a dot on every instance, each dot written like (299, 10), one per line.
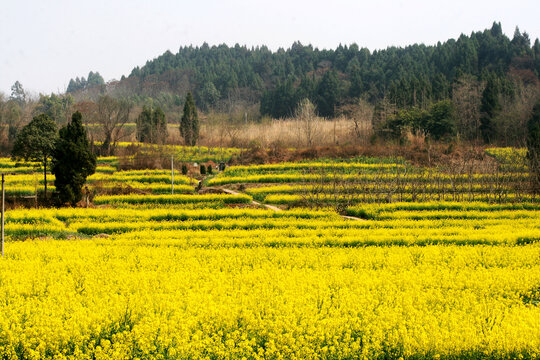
(209, 276)
(101, 299)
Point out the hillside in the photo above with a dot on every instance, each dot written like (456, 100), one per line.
(416, 75)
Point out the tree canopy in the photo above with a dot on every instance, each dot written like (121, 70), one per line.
(189, 124)
(415, 75)
(152, 125)
(94, 79)
(36, 142)
(73, 161)
(533, 147)
(18, 94)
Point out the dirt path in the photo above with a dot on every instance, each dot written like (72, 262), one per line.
(275, 208)
(352, 218)
(271, 207)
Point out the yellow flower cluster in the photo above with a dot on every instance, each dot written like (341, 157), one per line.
(145, 176)
(210, 277)
(509, 157)
(391, 224)
(171, 199)
(187, 153)
(310, 166)
(24, 181)
(101, 299)
(324, 198)
(426, 177)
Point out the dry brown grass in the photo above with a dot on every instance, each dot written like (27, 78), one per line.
(289, 133)
(274, 140)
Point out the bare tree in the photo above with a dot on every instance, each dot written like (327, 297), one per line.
(360, 114)
(511, 122)
(308, 120)
(112, 115)
(466, 96)
(382, 111)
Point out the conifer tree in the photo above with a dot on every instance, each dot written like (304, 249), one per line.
(533, 147)
(488, 110)
(73, 161)
(328, 94)
(152, 125)
(189, 124)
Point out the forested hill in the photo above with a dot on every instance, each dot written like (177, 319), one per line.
(416, 75)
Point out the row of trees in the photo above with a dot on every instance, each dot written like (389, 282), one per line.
(491, 79)
(94, 79)
(69, 150)
(152, 125)
(414, 76)
(495, 111)
(436, 122)
(107, 118)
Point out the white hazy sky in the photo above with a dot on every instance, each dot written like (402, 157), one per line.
(45, 43)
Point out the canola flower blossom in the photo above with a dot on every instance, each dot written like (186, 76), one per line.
(210, 277)
(101, 299)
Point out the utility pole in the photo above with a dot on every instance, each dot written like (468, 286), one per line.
(172, 174)
(3, 200)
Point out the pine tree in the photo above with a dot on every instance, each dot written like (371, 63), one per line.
(328, 94)
(533, 147)
(488, 110)
(152, 126)
(189, 124)
(73, 161)
(441, 121)
(144, 125)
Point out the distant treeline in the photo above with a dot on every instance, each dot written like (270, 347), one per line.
(94, 79)
(416, 75)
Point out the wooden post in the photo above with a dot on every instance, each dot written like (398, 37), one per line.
(3, 208)
(37, 187)
(172, 174)
(334, 131)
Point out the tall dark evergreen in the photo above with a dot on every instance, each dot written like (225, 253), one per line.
(488, 109)
(437, 123)
(533, 147)
(152, 125)
(441, 122)
(536, 55)
(189, 124)
(356, 87)
(281, 101)
(328, 94)
(73, 161)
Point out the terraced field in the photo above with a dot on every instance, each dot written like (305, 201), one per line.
(386, 181)
(26, 180)
(214, 276)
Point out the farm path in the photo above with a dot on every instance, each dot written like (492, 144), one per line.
(275, 208)
(271, 207)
